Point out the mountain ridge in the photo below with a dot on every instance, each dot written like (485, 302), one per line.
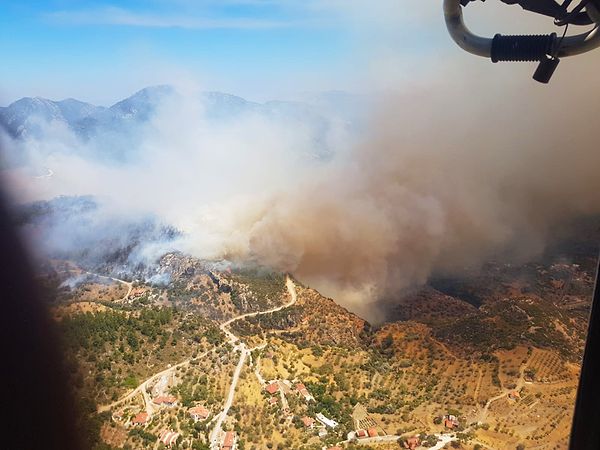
(117, 131)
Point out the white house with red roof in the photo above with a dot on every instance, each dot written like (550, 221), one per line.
(308, 422)
(229, 441)
(141, 419)
(199, 413)
(301, 389)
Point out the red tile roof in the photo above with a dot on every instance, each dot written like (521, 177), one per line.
(412, 443)
(272, 388)
(199, 411)
(164, 400)
(361, 433)
(449, 423)
(514, 394)
(372, 432)
(228, 440)
(308, 421)
(141, 418)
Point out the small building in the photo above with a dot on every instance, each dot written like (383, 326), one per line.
(514, 395)
(168, 437)
(199, 413)
(412, 443)
(361, 434)
(273, 401)
(301, 389)
(326, 421)
(141, 419)
(451, 421)
(272, 388)
(372, 432)
(165, 400)
(308, 422)
(228, 441)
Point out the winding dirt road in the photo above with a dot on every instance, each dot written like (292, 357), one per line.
(518, 385)
(215, 434)
(129, 284)
(142, 388)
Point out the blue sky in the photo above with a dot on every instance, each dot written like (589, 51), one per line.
(103, 50)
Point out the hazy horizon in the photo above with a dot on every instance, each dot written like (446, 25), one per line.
(100, 52)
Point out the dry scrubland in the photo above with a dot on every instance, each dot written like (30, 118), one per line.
(499, 349)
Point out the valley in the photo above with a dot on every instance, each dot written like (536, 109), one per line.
(256, 360)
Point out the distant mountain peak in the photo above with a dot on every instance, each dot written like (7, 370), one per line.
(116, 130)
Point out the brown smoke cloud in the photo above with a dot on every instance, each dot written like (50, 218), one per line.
(446, 177)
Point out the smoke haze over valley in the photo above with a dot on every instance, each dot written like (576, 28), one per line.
(357, 195)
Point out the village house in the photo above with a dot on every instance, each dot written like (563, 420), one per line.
(141, 419)
(229, 441)
(450, 421)
(272, 388)
(198, 413)
(165, 400)
(514, 395)
(301, 389)
(326, 421)
(168, 437)
(308, 422)
(412, 443)
(372, 432)
(361, 434)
